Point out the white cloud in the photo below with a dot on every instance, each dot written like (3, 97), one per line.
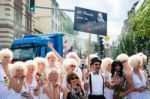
(116, 10)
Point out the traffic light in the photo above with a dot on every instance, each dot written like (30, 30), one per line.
(101, 43)
(32, 5)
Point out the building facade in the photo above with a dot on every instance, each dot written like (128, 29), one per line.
(15, 21)
(47, 20)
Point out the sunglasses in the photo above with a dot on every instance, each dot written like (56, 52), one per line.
(75, 77)
(72, 66)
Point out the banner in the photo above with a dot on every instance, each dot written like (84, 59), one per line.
(90, 21)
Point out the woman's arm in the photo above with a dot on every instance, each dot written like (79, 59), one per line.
(37, 90)
(65, 93)
(60, 59)
(47, 92)
(130, 86)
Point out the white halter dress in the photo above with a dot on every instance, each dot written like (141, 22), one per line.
(4, 91)
(137, 82)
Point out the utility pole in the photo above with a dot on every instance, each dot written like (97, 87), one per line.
(68, 10)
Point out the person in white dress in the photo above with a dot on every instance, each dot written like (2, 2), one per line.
(74, 55)
(5, 59)
(34, 88)
(17, 85)
(140, 90)
(40, 73)
(106, 66)
(69, 67)
(53, 89)
(54, 59)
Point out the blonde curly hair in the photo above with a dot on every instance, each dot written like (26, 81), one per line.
(106, 62)
(68, 62)
(18, 65)
(6, 52)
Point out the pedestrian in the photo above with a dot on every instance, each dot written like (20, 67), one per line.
(70, 66)
(127, 69)
(74, 55)
(17, 84)
(53, 89)
(74, 89)
(118, 78)
(40, 73)
(54, 59)
(32, 84)
(140, 88)
(106, 68)
(6, 56)
(95, 81)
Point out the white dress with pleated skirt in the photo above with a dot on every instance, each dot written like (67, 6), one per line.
(4, 91)
(108, 93)
(137, 82)
(31, 88)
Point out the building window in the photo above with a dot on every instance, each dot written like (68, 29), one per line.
(52, 11)
(27, 5)
(56, 14)
(52, 24)
(17, 21)
(55, 27)
(28, 23)
(58, 17)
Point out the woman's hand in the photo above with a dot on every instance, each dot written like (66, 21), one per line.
(141, 89)
(86, 86)
(36, 92)
(122, 94)
(50, 45)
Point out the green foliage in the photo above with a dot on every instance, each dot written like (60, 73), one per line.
(136, 37)
(68, 26)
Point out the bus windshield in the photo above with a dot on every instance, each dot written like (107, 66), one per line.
(23, 53)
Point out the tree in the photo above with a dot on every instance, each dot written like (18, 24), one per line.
(67, 25)
(136, 36)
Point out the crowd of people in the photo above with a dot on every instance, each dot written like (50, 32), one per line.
(53, 77)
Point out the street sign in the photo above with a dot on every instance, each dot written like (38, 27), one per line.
(90, 21)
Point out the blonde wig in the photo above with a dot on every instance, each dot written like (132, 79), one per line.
(6, 52)
(49, 54)
(106, 62)
(73, 55)
(143, 57)
(52, 70)
(134, 61)
(31, 63)
(40, 59)
(68, 62)
(18, 66)
(122, 57)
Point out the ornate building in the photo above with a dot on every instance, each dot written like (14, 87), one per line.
(15, 20)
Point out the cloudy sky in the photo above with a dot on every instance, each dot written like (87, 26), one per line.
(116, 12)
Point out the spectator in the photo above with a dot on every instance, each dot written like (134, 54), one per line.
(95, 82)
(6, 56)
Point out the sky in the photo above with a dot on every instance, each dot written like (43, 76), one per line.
(116, 13)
